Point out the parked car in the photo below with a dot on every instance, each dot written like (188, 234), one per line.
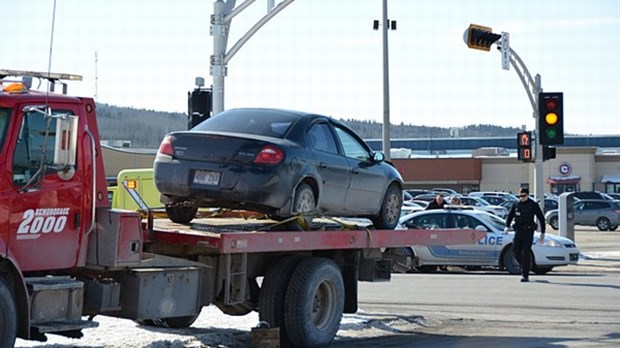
(446, 191)
(496, 200)
(590, 195)
(494, 250)
(602, 213)
(481, 204)
(614, 196)
(276, 162)
(504, 195)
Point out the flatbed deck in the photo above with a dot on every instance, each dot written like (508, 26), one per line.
(240, 235)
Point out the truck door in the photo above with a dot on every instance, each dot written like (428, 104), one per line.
(45, 214)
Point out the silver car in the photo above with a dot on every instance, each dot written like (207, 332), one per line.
(494, 250)
(602, 213)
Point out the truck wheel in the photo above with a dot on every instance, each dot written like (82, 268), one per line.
(181, 214)
(314, 302)
(389, 214)
(173, 323)
(304, 202)
(402, 259)
(273, 291)
(603, 224)
(8, 316)
(553, 221)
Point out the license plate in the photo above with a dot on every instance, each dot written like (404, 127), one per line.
(205, 177)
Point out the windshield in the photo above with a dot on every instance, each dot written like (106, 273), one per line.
(5, 116)
(272, 123)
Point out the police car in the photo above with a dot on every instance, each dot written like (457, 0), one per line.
(494, 250)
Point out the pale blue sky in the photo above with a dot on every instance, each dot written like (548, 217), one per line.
(323, 56)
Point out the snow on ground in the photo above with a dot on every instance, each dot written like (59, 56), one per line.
(211, 329)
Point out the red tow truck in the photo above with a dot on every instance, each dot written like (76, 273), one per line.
(66, 256)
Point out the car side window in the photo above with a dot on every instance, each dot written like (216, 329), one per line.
(427, 222)
(321, 138)
(352, 148)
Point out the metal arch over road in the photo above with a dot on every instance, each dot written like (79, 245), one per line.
(223, 13)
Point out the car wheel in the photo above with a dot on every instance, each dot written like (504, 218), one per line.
(553, 221)
(181, 214)
(304, 204)
(390, 209)
(603, 224)
(510, 262)
(613, 228)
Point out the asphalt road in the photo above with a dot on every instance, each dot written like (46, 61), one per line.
(573, 306)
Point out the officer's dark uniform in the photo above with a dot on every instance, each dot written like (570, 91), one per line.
(523, 213)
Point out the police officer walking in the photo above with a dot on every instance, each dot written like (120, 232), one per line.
(523, 213)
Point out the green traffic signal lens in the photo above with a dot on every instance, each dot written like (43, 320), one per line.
(552, 133)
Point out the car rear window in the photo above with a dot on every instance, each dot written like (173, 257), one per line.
(272, 123)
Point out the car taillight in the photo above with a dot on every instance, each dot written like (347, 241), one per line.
(165, 147)
(269, 154)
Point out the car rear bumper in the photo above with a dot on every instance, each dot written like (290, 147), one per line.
(264, 190)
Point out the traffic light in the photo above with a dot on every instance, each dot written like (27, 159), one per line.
(551, 118)
(480, 38)
(198, 105)
(548, 152)
(524, 146)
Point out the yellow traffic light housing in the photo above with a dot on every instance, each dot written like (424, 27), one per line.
(480, 37)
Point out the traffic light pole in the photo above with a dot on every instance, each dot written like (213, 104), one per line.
(532, 88)
(223, 13)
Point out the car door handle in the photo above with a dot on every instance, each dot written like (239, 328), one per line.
(322, 165)
(355, 171)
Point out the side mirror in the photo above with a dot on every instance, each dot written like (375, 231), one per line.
(481, 228)
(65, 148)
(378, 157)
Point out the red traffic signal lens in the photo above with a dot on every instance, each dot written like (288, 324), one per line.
(551, 104)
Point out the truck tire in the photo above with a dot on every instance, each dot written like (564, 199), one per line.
(314, 302)
(8, 316)
(173, 323)
(181, 214)
(388, 216)
(273, 291)
(402, 259)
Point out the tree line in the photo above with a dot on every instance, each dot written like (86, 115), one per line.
(146, 128)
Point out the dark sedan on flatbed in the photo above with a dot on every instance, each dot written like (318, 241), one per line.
(277, 162)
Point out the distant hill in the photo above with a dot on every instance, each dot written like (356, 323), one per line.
(146, 128)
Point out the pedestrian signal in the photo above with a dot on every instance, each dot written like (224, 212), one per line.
(524, 146)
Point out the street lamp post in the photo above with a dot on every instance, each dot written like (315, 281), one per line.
(385, 26)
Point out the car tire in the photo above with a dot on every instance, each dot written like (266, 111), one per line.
(554, 222)
(388, 216)
(613, 228)
(304, 203)
(510, 261)
(603, 224)
(181, 214)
